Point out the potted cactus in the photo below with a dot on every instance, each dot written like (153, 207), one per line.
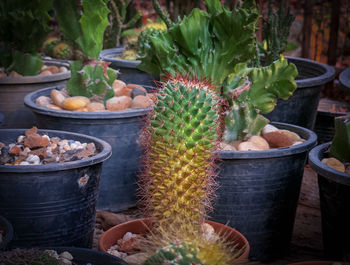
(219, 45)
(178, 179)
(331, 162)
(93, 79)
(24, 28)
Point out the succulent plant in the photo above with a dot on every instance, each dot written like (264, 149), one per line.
(49, 44)
(340, 147)
(24, 26)
(62, 51)
(84, 30)
(220, 45)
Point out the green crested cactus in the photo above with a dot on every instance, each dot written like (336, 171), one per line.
(275, 31)
(84, 30)
(220, 45)
(253, 92)
(182, 133)
(117, 22)
(340, 147)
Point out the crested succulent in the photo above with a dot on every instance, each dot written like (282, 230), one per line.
(182, 134)
(220, 45)
(24, 26)
(340, 147)
(84, 30)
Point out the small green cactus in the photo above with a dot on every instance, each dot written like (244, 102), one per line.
(49, 44)
(62, 51)
(340, 147)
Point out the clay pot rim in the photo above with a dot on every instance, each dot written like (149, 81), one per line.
(146, 221)
(39, 78)
(29, 101)
(304, 133)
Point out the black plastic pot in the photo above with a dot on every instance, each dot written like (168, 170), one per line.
(120, 129)
(301, 108)
(128, 71)
(334, 189)
(52, 204)
(344, 80)
(7, 235)
(14, 89)
(324, 125)
(259, 191)
(1, 118)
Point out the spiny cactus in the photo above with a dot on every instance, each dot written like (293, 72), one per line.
(117, 22)
(49, 44)
(182, 133)
(62, 51)
(340, 147)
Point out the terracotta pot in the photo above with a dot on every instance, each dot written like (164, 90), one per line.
(320, 263)
(140, 226)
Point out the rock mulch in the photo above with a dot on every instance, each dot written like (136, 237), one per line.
(45, 70)
(129, 96)
(35, 149)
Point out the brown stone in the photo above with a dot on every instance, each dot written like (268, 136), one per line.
(74, 103)
(334, 163)
(108, 219)
(45, 72)
(141, 102)
(52, 106)
(57, 97)
(248, 146)
(95, 106)
(43, 101)
(3, 75)
(15, 150)
(33, 140)
(277, 139)
(291, 135)
(123, 91)
(130, 245)
(118, 103)
(260, 142)
(63, 69)
(40, 152)
(118, 84)
(53, 69)
(15, 74)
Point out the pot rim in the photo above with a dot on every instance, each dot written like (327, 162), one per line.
(39, 78)
(145, 221)
(104, 153)
(101, 115)
(9, 233)
(315, 156)
(327, 75)
(108, 54)
(304, 133)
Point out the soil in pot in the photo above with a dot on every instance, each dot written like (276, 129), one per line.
(128, 71)
(334, 187)
(124, 232)
(14, 88)
(119, 128)
(311, 79)
(259, 191)
(52, 204)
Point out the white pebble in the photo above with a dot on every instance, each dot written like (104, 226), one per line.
(297, 142)
(74, 146)
(46, 136)
(20, 139)
(24, 163)
(269, 128)
(33, 159)
(66, 255)
(128, 235)
(116, 253)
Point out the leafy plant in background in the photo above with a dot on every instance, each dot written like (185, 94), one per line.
(24, 26)
(220, 45)
(83, 27)
(118, 23)
(276, 31)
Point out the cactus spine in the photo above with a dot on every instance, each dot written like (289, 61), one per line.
(182, 135)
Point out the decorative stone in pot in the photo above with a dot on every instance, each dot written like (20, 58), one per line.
(128, 71)
(301, 108)
(119, 128)
(51, 204)
(14, 89)
(142, 226)
(334, 187)
(258, 193)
